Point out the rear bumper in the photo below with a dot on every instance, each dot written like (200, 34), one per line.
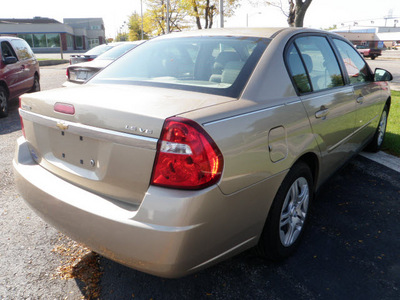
(171, 234)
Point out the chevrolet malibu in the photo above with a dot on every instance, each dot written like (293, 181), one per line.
(196, 146)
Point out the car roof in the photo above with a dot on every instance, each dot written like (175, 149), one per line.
(269, 32)
(8, 38)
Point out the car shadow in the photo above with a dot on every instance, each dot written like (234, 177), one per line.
(11, 123)
(350, 250)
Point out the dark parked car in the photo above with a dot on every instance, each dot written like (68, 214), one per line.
(368, 52)
(91, 54)
(19, 71)
(79, 73)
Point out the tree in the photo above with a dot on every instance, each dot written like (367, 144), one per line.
(121, 37)
(135, 28)
(208, 9)
(154, 18)
(295, 13)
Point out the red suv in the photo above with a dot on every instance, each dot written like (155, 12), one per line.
(19, 71)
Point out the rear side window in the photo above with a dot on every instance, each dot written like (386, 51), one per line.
(356, 67)
(297, 70)
(22, 48)
(313, 56)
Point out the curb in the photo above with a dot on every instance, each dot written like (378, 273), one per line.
(43, 63)
(390, 161)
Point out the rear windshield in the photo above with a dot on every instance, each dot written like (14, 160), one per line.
(99, 50)
(215, 65)
(117, 51)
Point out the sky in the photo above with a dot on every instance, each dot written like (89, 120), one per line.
(321, 13)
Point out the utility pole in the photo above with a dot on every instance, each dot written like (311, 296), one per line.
(221, 13)
(141, 14)
(61, 47)
(168, 16)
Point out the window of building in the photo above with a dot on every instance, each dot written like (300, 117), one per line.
(53, 40)
(79, 42)
(39, 40)
(93, 43)
(70, 41)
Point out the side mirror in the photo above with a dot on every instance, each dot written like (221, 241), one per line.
(10, 60)
(382, 75)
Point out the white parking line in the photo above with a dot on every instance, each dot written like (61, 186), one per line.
(385, 159)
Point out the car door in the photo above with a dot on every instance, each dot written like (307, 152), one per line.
(367, 93)
(11, 72)
(27, 64)
(329, 103)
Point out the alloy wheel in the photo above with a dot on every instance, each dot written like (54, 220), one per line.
(294, 212)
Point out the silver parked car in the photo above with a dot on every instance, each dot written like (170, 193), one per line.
(81, 72)
(198, 145)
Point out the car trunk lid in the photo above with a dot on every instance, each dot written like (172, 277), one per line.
(108, 143)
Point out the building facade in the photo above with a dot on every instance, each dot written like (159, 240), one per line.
(373, 37)
(46, 35)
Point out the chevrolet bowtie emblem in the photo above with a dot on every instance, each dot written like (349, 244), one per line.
(62, 125)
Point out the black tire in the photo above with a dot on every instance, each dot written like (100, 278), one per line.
(377, 141)
(373, 57)
(288, 212)
(36, 85)
(3, 102)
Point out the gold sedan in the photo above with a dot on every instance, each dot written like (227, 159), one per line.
(196, 146)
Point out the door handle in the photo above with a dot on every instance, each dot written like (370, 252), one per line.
(360, 99)
(322, 113)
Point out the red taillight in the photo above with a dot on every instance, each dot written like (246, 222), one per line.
(67, 74)
(187, 157)
(22, 121)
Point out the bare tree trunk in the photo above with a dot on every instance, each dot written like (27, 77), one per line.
(212, 9)
(196, 10)
(297, 12)
(207, 13)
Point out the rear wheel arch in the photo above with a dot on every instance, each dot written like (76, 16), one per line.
(36, 83)
(288, 215)
(312, 161)
(4, 98)
(4, 85)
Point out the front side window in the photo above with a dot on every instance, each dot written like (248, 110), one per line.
(356, 67)
(217, 65)
(320, 62)
(7, 50)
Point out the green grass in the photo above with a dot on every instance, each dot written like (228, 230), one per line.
(392, 138)
(43, 59)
